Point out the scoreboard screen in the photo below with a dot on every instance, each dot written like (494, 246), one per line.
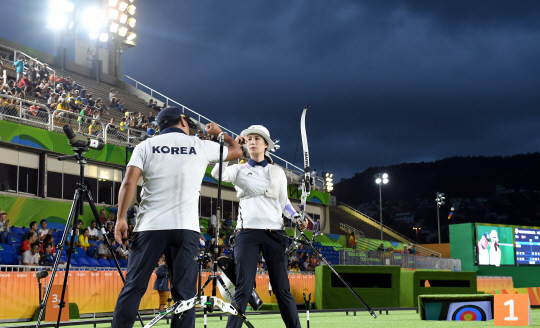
(527, 246)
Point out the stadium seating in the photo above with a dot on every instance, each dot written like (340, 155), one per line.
(104, 263)
(82, 261)
(13, 238)
(6, 254)
(18, 231)
(92, 262)
(16, 248)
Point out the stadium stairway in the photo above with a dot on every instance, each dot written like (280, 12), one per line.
(341, 214)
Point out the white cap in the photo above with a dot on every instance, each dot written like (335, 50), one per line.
(202, 227)
(260, 130)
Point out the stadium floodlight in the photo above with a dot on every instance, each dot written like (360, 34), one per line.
(113, 28)
(328, 181)
(131, 36)
(123, 18)
(113, 3)
(94, 35)
(131, 22)
(57, 21)
(92, 18)
(113, 14)
(440, 201)
(123, 31)
(122, 6)
(69, 6)
(131, 10)
(103, 37)
(380, 179)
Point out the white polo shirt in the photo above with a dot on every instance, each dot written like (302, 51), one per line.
(173, 166)
(257, 211)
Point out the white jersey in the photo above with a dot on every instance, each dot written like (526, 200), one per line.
(173, 166)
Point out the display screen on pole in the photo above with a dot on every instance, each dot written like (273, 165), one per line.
(495, 245)
(527, 246)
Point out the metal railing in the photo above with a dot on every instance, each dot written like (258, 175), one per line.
(318, 181)
(39, 62)
(20, 112)
(377, 222)
(79, 123)
(123, 136)
(166, 100)
(347, 228)
(407, 261)
(421, 250)
(33, 268)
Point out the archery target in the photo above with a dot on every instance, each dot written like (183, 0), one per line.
(470, 311)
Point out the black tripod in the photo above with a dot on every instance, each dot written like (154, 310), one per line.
(207, 303)
(76, 210)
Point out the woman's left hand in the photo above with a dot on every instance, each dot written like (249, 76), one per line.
(301, 225)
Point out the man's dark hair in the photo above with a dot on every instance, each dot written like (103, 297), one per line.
(85, 230)
(47, 245)
(93, 221)
(28, 235)
(34, 245)
(32, 223)
(44, 220)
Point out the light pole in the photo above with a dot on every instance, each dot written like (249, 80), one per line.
(380, 179)
(417, 228)
(440, 201)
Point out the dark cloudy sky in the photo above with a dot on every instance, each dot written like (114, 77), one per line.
(387, 81)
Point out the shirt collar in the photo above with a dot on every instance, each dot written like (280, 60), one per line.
(263, 163)
(167, 130)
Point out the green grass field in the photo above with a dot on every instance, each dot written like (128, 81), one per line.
(396, 319)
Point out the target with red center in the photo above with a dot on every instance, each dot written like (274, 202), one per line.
(469, 313)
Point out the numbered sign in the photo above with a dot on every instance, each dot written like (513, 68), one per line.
(512, 310)
(53, 307)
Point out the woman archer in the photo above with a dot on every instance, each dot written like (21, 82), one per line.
(262, 190)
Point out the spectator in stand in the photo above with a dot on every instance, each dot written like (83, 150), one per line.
(49, 239)
(78, 102)
(53, 101)
(43, 231)
(19, 65)
(49, 257)
(83, 240)
(111, 218)
(31, 256)
(405, 250)
(101, 107)
(123, 123)
(123, 250)
(114, 102)
(26, 85)
(352, 241)
(112, 95)
(212, 224)
(29, 239)
(4, 227)
(33, 74)
(44, 72)
(93, 129)
(95, 115)
(76, 241)
(310, 268)
(91, 101)
(103, 250)
(150, 103)
(381, 248)
(72, 106)
(103, 215)
(34, 228)
(151, 131)
(295, 267)
(93, 231)
(120, 105)
(130, 233)
(198, 134)
(162, 283)
(151, 117)
(85, 100)
(412, 249)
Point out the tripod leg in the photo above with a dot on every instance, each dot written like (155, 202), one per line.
(109, 246)
(73, 213)
(338, 275)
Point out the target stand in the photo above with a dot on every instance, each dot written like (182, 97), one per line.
(456, 307)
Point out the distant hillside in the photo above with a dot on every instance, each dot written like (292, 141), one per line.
(466, 177)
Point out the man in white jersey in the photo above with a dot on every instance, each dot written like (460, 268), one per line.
(172, 166)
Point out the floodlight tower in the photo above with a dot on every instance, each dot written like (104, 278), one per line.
(380, 179)
(440, 201)
(328, 181)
